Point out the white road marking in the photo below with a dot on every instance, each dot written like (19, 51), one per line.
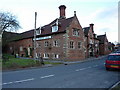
(7, 83)
(95, 65)
(47, 76)
(24, 80)
(18, 81)
(86, 68)
(89, 67)
(81, 69)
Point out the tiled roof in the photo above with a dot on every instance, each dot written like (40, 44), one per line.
(27, 34)
(101, 38)
(86, 30)
(47, 29)
(62, 23)
(10, 36)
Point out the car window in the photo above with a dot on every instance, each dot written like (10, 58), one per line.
(114, 57)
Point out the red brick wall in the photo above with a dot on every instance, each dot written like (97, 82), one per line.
(51, 49)
(75, 53)
(25, 43)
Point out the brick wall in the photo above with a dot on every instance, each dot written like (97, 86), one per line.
(18, 47)
(75, 53)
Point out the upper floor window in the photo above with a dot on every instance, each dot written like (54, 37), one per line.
(79, 44)
(71, 44)
(56, 43)
(38, 31)
(75, 32)
(54, 28)
(46, 43)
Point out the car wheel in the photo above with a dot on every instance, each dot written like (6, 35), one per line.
(107, 69)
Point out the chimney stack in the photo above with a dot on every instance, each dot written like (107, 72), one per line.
(62, 11)
(91, 26)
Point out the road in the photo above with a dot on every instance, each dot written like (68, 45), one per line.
(90, 74)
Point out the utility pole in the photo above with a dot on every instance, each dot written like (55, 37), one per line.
(35, 37)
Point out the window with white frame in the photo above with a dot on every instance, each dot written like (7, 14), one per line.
(75, 32)
(56, 43)
(79, 44)
(46, 55)
(56, 56)
(21, 48)
(10, 48)
(39, 55)
(71, 44)
(38, 31)
(46, 43)
(54, 28)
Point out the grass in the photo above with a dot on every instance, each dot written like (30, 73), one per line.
(116, 88)
(13, 63)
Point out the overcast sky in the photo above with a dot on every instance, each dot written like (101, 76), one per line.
(102, 13)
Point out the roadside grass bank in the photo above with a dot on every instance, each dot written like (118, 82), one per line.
(10, 62)
(117, 87)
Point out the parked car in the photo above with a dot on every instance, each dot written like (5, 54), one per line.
(113, 61)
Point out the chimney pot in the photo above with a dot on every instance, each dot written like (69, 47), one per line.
(91, 26)
(74, 13)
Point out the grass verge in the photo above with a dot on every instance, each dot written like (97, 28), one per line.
(15, 63)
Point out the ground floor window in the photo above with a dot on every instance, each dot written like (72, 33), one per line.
(56, 56)
(46, 55)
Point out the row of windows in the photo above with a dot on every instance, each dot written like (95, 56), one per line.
(55, 29)
(46, 43)
(56, 43)
(79, 44)
(47, 55)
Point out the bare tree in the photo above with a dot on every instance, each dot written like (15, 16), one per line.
(8, 22)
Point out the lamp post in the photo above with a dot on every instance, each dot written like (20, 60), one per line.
(35, 37)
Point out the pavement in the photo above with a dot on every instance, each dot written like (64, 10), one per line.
(68, 62)
(73, 62)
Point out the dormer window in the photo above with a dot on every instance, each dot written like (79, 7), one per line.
(55, 26)
(38, 31)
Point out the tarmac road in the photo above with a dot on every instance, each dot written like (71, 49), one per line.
(89, 74)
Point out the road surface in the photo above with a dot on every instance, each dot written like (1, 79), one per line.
(90, 74)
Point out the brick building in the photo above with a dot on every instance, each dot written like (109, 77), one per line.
(103, 45)
(63, 38)
(91, 41)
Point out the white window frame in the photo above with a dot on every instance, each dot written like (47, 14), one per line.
(10, 48)
(71, 45)
(38, 32)
(54, 28)
(76, 32)
(21, 48)
(55, 56)
(55, 43)
(46, 55)
(46, 43)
